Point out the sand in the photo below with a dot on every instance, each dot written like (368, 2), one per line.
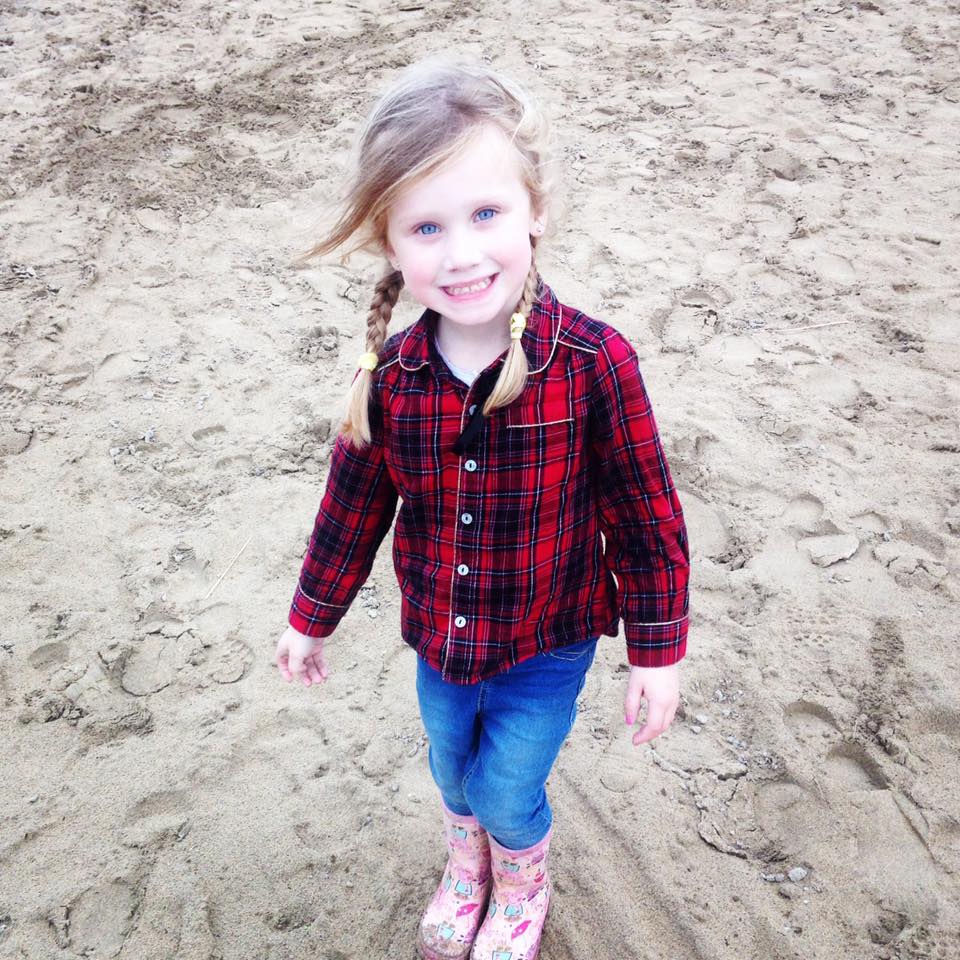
(763, 197)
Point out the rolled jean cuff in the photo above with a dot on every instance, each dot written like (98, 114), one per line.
(452, 808)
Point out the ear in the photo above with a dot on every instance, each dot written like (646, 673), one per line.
(538, 222)
(391, 256)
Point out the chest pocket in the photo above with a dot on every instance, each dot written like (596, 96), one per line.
(541, 433)
(539, 416)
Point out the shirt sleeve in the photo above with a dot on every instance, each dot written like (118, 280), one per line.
(355, 513)
(639, 511)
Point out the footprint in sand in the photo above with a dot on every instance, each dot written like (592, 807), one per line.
(910, 565)
(97, 922)
(173, 917)
(229, 660)
(320, 343)
(13, 400)
(803, 513)
(71, 375)
(870, 523)
(709, 534)
(15, 437)
(817, 537)
(693, 322)
(149, 667)
(835, 809)
(158, 820)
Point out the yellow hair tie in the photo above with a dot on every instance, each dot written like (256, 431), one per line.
(368, 361)
(518, 323)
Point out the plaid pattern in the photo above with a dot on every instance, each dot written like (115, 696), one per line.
(498, 551)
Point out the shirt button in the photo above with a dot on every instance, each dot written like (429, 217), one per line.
(471, 465)
(466, 518)
(463, 569)
(473, 407)
(461, 621)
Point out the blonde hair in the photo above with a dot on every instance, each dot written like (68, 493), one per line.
(420, 123)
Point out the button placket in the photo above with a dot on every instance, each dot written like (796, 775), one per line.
(466, 518)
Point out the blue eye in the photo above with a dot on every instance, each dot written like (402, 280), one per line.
(486, 213)
(427, 229)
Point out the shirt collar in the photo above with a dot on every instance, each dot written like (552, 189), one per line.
(539, 338)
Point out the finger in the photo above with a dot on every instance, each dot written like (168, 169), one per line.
(313, 670)
(656, 714)
(295, 664)
(282, 665)
(631, 703)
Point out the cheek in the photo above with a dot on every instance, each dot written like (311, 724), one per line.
(520, 253)
(418, 271)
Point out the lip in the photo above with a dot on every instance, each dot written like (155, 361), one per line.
(466, 297)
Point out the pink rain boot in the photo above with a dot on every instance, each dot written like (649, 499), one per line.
(450, 922)
(518, 905)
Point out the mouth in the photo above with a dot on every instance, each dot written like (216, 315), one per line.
(475, 288)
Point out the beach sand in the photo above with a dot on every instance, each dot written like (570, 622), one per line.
(762, 197)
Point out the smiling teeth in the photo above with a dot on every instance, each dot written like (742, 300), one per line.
(473, 288)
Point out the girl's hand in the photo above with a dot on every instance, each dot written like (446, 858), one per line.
(661, 687)
(299, 655)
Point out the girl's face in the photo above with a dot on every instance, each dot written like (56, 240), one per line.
(461, 236)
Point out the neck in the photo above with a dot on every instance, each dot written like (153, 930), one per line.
(482, 340)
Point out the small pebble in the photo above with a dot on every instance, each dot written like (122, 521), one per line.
(797, 874)
(695, 728)
(702, 719)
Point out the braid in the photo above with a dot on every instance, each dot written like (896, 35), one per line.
(356, 424)
(385, 296)
(513, 373)
(529, 294)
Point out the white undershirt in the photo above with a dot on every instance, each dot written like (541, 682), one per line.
(467, 376)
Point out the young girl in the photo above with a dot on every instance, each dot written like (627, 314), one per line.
(515, 430)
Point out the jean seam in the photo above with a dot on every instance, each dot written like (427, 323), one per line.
(473, 766)
(469, 774)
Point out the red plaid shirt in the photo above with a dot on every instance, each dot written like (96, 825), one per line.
(498, 551)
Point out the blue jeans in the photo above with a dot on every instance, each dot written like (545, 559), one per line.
(493, 743)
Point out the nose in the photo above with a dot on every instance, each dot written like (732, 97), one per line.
(462, 251)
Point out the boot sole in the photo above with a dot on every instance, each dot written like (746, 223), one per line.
(427, 953)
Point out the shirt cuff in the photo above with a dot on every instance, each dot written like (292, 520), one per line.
(313, 618)
(656, 644)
